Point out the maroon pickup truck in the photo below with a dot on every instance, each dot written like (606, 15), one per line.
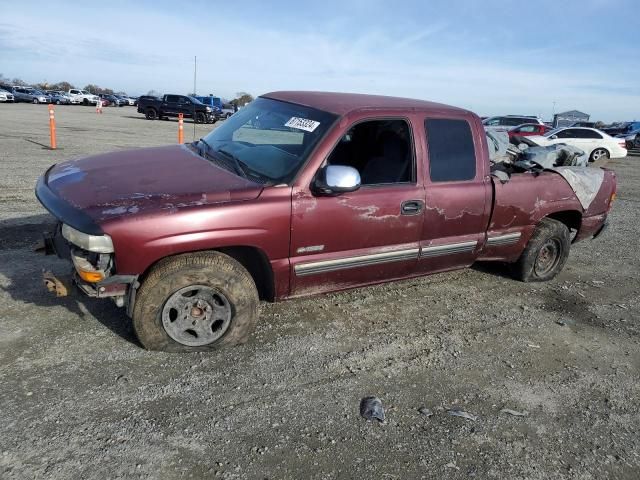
(302, 193)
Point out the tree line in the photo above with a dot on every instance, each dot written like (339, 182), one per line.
(64, 86)
(241, 99)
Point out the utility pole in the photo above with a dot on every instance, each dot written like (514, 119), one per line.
(195, 71)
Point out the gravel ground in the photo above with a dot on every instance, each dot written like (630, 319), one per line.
(81, 399)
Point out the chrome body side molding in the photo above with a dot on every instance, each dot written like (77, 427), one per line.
(507, 239)
(322, 266)
(448, 249)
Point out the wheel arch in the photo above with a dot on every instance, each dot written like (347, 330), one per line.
(252, 258)
(572, 219)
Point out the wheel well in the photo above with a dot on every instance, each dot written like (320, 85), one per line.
(600, 148)
(258, 266)
(571, 218)
(252, 259)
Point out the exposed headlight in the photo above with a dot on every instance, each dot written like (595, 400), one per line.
(91, 243)
(208, 109)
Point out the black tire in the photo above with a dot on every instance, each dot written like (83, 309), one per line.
(85, 102)
(35, 101)
(150, 114)
(200, 118)
(57, 102)
(211, 269)
(545, 254)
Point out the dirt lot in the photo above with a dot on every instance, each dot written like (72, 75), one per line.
(80, 399)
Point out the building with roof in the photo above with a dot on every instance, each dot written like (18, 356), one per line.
(566, 119)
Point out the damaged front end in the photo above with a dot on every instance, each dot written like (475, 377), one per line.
(94, 272)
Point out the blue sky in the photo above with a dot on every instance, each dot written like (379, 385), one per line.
(493, 57)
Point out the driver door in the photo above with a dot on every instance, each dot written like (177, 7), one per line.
(366, 236)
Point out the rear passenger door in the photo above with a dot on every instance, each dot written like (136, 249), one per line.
(170, 104)
(458, 193)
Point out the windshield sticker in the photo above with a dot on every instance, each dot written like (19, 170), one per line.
(302, 124)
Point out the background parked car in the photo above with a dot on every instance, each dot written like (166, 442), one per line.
(29, 95)
(595, 143)
(584, 124)
(113, 100)
(505, 122)
(127, 100)
(227, 111)
(58, 98)
(528, 129)
(6, 96)
(623, 128)
(632, 139)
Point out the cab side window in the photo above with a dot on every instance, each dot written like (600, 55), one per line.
(452, 155)
(381, 150)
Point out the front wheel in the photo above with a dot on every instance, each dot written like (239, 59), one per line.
(35, 101)
(150, 114)
(195, 302)
(545, 254)
(85, 102)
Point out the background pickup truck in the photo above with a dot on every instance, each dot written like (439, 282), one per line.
(302, 193)
(172, 105)
(82, 97)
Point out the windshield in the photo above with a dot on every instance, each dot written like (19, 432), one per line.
(269, 138)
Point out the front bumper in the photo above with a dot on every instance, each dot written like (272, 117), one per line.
(120, 288)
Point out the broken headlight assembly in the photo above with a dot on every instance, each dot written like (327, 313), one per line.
(90, 243)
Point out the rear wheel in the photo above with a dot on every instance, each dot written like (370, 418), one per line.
(195, 302)
(150, 114)
(545, 254)
(599, 154)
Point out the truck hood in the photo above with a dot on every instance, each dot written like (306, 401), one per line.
(146, 180)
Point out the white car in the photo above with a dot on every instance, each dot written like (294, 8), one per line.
(82, 96)
(594, 143)
(6, 96)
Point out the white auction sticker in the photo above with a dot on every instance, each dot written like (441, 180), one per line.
(302, 124)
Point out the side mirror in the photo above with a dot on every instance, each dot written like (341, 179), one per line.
(336, 179)
(553, 137)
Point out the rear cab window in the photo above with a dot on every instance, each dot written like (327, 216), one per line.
(452, 156)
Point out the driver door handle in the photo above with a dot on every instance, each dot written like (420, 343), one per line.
(411, 207)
